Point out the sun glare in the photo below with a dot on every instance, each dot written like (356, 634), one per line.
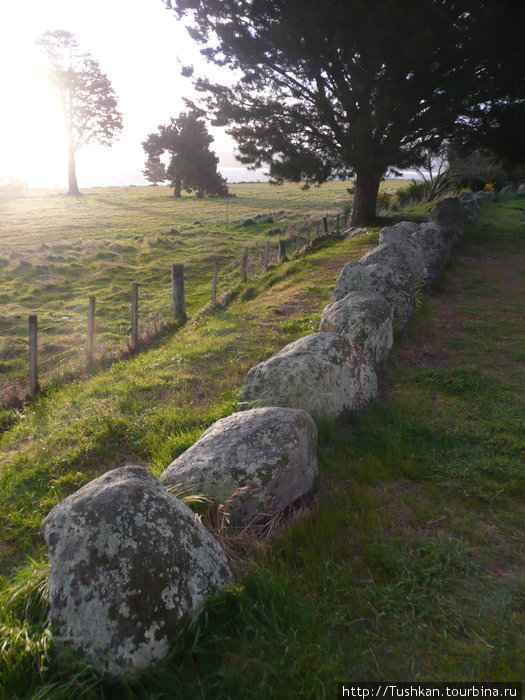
(31, 130)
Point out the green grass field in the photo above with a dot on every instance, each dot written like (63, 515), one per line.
(56, 251)
(409, 562)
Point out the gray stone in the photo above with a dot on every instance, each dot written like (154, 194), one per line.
(365, 319)
(395, 287)
(521, 189)
(391, 256)
(449, 216)
(434, 248)
(485, 196)
(322, 373)
(270, 452)
(470, 205)
(397, 233)
(130, 566)
(423, 246)
(508, 190)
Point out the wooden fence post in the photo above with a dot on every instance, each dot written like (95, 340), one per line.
(266, 254)
(281, 252)
(90, 331)
(337, 224)
(134, 314)
(178, 303)
(325, 225)
(318, 229)
(34, 387)
(244, 266)
(215, 274)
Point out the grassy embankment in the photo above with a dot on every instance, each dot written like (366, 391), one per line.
(409, 567)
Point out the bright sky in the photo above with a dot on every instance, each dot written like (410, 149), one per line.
(137, 44)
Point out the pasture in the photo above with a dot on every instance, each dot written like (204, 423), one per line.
(56, 251)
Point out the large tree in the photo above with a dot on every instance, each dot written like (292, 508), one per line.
(192, 165)
(498, 128)
(497, 123)
(343, 87)
(89, 104)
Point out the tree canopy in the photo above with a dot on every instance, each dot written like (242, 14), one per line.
(88, 102)
(192, 165)
(346, 87)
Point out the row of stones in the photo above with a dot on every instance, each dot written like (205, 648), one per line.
(130, 563)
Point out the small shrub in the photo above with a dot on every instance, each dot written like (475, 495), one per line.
(384, 200)
(411, 194)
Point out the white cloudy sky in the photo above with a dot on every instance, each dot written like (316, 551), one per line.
(137, 43)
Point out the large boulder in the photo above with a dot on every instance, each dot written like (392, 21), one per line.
(430, 239)
(391, 256)
(398, 232)
(485, 196)
(508, 190)
(322, 374)
(470, 205)
(423, 246)
(375, 278)
(130, 566)
(449, 215)
(266, 455)
(364, 319)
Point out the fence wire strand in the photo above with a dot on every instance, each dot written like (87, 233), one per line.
(56, 325)
(70, 351)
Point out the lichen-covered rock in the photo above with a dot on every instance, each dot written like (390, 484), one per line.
(323, 374)
(449, 215)
(391, 256)
(270, 452)
(388, 282)
(398, 233)
(434, 248)
(403, 237)
(129, 568)
(470, 205)
(365, 319)
(485, 196)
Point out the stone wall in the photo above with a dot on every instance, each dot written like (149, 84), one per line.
(130, 564)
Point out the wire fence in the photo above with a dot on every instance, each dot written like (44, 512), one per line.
(51, 349)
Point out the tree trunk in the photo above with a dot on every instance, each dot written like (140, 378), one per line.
(177, 186)
(71, 171)
(365, 197)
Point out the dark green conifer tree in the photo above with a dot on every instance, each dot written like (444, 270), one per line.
(192, 166)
